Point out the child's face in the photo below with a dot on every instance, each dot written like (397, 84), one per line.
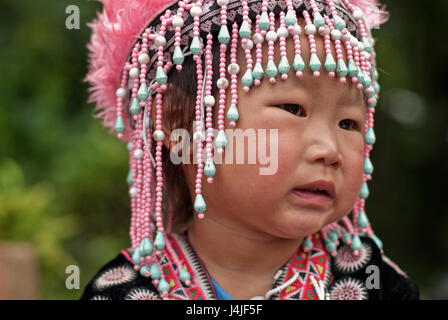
(321, 141)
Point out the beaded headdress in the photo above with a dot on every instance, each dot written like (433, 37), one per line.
(136, 44)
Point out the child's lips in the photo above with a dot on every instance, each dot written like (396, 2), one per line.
(313, 198)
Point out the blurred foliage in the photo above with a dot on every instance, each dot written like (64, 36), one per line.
(62, 176)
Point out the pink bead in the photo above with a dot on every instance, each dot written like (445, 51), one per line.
(201, 216)
(210, 179)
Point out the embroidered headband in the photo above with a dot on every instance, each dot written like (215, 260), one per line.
(136, 44)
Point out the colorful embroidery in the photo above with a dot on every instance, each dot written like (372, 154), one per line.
(141, 294)
(348, 289)
(346, 262)
(115, 276)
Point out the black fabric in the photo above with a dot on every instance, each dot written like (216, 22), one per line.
(393, 284)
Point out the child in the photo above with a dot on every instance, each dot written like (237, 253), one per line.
(301, 70)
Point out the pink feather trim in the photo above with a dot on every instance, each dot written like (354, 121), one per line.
(374, 12)
(114, 31)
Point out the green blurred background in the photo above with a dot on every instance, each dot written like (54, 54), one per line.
(62, 176)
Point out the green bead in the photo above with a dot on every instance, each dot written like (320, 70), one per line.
(367, 81)
(362, 220)
(146, 248)
(142, 93)
(368, 167)
(248, 79)
(155, 271)
(199, 203)
(307, 244)
(367, 46)
(136, 256)
(209, 168)
(315, 63)
(341, 69)
(245, 30)
(333, 236)
(163, 285)
(232, 114)
(264, 21)
(339, 22)
(370, 136)
(224, 36)
(283, 66)
(145, 271)
(195, 46)
(298, 64)
(129, 177)
(119, 125)
(352, 68)
(135, 107)
(375, 74)
(377, 241)
(161, 76)
(360, 76)
(159, 242)
(346, 237)
(184, 275)
(369, 92)
(221, 140)
(290, 18)
(377, 87)
(364, 191)
(318, 20)
(178, 55)
(258, 72)
(330, 64)
(356, 243)
(373, 103)
(271, 69)
(330, 246)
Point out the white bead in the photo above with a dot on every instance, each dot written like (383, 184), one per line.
(222, 83)
(197, 136)
(310, 29)
(148, 122)
(158, 135)
(282, 32)
(336, 34)
(271, 36)
(233, 68)
(121, 92)
(346, 37)
(325, 31)
(358, 14)
(133, 192)
(248, 45)
(257, 38)
(143, 58)
(143, 134)
(134, 73)
(138, 153)
(353, 41)
(195, 11)
(360, 46)
(209, 101)
(177, 22)
(297, 31)
(130, 145)
(160, 41)
(223, 2)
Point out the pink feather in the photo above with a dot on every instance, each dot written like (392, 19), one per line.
(114, 31)
(373, 10)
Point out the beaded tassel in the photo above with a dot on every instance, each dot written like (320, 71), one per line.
(310, 31)
(271, 37)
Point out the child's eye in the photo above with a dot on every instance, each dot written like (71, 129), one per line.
(349, 124)
(295, 109)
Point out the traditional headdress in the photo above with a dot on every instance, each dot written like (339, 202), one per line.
(134, 46)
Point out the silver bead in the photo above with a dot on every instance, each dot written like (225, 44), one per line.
(133, 192)
(134, 73)
(360, 46)
(297, 31)
(310, 29)
(160, 41)
(336, 34)
(353, 41)
(130, 145)
(177, 22)
(233, 68)
(248, 45)
(257, 38)
(121, 92)
(195, 11)
(138, 154)
(143, 58)
(209, 101)
(271, 36)
(346, 37)
(222, 83)
(358, 14)
(158, 135)
(282, 32)
(223, 2)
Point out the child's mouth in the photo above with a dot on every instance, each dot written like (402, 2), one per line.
(314, 196)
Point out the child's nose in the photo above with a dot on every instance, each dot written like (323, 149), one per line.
(322, 146)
